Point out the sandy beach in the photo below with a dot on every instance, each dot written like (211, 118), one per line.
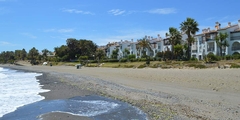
(161, 93)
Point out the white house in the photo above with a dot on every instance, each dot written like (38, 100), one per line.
(205, 42)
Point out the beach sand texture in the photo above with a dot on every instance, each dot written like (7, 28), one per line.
(185, 93)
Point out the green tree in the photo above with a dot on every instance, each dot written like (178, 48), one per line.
(33, 55)
(23, 54)
(17, 54)
(189, 27)
(174, 37)
(115, 54)
(62, 53)
(221, 41)
(73, 46)
(87, 47)
(7, 57)
(99, 54)
(126, 52)
(145, 45)
(80, 47)
(178, 50)
(45, 52)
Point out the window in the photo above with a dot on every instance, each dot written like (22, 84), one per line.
(235, 46)
(210, 46)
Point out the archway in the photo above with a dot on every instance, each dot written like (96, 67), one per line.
(235, 46)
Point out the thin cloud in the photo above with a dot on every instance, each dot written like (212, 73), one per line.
(4, 43)
(116, 12)
(65, 30)
(210, 18)
(59, 30)
(77, 11)
(162, 11)
(29, 35)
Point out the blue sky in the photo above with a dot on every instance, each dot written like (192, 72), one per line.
(45, 24)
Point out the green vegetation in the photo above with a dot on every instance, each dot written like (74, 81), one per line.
(222, 42)
(234, 65)
(189, 27)
(87, 53)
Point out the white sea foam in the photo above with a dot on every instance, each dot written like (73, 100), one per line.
(18, 89)
(96, 107)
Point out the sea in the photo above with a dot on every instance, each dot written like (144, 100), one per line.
(20, 100)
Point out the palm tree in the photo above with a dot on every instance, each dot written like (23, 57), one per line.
(189, 27)
(145, 45)
(174, 37)
(221, 41)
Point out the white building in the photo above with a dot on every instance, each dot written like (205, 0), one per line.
(205, 42)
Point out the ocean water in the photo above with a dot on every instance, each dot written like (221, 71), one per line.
(19, 100)
(18, 89)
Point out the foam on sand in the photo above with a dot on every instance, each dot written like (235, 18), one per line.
(18, 89)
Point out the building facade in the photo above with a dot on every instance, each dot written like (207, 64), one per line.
(204, 44)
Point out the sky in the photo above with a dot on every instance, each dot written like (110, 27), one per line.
(46, 24)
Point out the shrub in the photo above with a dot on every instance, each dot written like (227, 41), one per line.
(133, 60)
(236, 56)
(233, 65)
(228, 57)
(211, 57)
(111, 60)
(123, 60)
(193, 59)
(141, 66)
(143, 59)
(131, 57)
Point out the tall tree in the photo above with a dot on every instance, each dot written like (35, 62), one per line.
(145, 45)
(87, 47)
(62, 53)
(221, 41)
(7, 57)
(23, 54)
(73, 46)
(45, 53)
(189, 27)
(17, 54)
(115, 53)
(33, 55)
(174, 37)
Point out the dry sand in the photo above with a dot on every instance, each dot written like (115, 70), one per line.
(162, 93)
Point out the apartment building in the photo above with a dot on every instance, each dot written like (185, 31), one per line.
(156, 44)
(205, 42)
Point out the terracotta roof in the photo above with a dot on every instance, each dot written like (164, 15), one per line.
(228, 27)
(237, 30)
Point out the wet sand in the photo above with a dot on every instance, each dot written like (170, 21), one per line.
(162, 93)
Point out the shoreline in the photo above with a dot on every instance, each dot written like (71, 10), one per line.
(171, 94)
